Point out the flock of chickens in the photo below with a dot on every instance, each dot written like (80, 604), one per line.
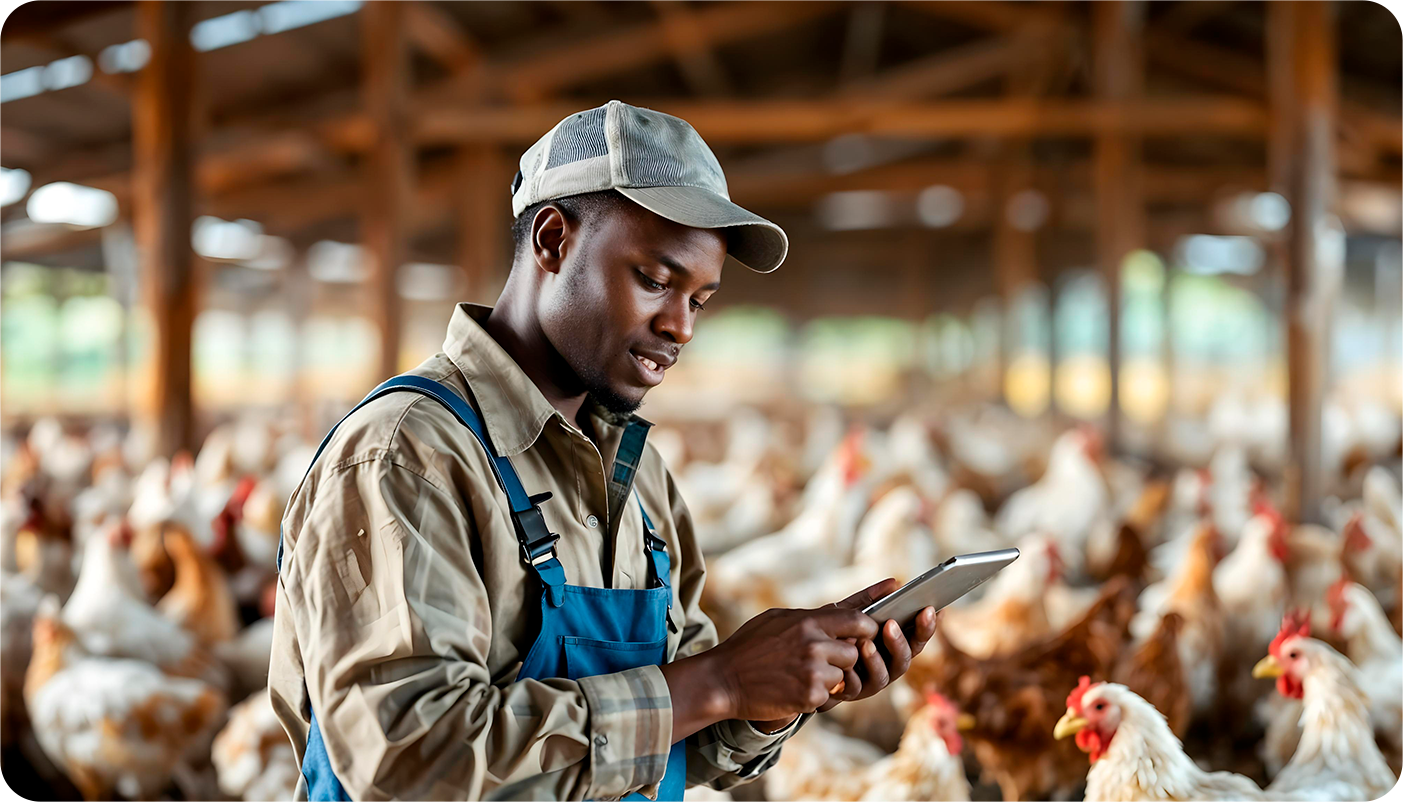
(1136, 626)
(1125, 655)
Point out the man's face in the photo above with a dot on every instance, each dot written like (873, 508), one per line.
(628, 291)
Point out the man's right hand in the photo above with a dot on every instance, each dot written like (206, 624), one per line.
(784, 662)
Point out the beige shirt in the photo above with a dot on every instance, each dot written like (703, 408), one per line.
(404, 608)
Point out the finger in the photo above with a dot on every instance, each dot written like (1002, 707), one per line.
(838, 622)
(898, 648)
(867, 595)
(875, 666)
(925, 630)
(851, 686)
(838, 653)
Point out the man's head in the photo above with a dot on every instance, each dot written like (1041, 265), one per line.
(617, 290)
(623, 223)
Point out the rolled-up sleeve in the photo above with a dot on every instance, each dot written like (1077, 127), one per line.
(732, 752)
(393, 627)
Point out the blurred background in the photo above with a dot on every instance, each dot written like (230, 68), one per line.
(1165, 234)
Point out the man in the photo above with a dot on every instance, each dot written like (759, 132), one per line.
(441, 634)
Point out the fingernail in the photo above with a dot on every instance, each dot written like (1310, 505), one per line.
(868, 649)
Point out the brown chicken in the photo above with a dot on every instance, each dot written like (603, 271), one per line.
(200, 600)
(1153, 670)
(1016, 699)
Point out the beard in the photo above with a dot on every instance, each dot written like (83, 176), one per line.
(597, 386)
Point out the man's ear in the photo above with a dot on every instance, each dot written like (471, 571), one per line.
(550, 233)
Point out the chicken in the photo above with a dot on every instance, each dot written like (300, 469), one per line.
(19, 600)
(1251, 581)
(110, 617)
(927, 764)
(252, 755)
(820, 763)
(1373, 549)
(1153, 670)
(1377, 651)
(44, 551)
(247, 657)
(1134, 755)
(749, 578)
(1012, 612)
(890, 542)
(1336, 757)
(1014, 698)
(111, 724)
(1066, 501)
(1189, 592)
(200, 600)
(961, 526)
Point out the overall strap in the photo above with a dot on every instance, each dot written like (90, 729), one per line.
(656, 548)
(537, 542)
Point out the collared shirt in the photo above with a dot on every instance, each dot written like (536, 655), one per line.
(404, 609)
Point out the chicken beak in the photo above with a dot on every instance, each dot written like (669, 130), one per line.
(1267, 667)
(964, 722)
(1069, 724)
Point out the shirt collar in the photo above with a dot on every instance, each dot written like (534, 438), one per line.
(512, 407)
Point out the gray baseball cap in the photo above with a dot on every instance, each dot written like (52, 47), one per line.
(655, 160)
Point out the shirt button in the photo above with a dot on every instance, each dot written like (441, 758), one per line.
(592, 522)
(601, 740)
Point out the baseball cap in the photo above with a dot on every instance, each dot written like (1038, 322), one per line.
(655, 160)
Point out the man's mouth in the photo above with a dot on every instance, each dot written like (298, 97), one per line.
(650, 368)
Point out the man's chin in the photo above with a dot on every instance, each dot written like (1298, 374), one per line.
(618, 402)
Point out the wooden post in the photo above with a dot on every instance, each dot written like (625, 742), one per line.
(484, 221)
(389, 167)
(1305, 83)
(1119, 73)
(162, 212)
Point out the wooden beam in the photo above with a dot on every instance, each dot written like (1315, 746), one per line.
(1118, 76)
(1313, 275)
(547, 68)
(389, 168)
(754, 122)
(993, 15)
(163, 210)
(435, 32)
(951, 70)
(699, 66)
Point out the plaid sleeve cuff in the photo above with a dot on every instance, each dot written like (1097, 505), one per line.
(744, 738)
(630, 731)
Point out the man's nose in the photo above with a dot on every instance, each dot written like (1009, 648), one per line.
(675, 321)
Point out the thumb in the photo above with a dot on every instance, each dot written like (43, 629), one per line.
(866, 596)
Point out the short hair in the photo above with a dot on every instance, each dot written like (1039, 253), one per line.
(579, 208)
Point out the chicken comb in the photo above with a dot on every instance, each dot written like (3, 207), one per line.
(935, 698)
(1335, 597)
(1356, 539)
(1074, 698)
(1294, 623)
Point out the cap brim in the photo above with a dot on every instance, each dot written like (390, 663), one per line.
(751, 239)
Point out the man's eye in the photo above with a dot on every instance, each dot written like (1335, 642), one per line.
(698, 305)
(651, 284)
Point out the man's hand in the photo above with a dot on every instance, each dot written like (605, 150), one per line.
(880, 672)
(783, 662)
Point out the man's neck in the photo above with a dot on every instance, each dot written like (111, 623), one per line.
(515, 327)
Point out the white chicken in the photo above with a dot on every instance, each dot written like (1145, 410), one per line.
(1134, 754)
(1066, 501)
(1377, 651)
(111, 617)
(1336, 757)
(111, 724)
(252, 755)
(1251, 581)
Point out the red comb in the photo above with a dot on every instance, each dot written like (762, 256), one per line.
(1294, 623)
(1074, 698)
(1356, 539)
(1335, 597)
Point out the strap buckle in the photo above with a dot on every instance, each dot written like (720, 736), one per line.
(653, 542)
(537, 541)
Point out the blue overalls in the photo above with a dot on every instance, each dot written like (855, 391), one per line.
(584, 631)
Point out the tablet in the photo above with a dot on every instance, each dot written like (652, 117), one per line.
(939, 586)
